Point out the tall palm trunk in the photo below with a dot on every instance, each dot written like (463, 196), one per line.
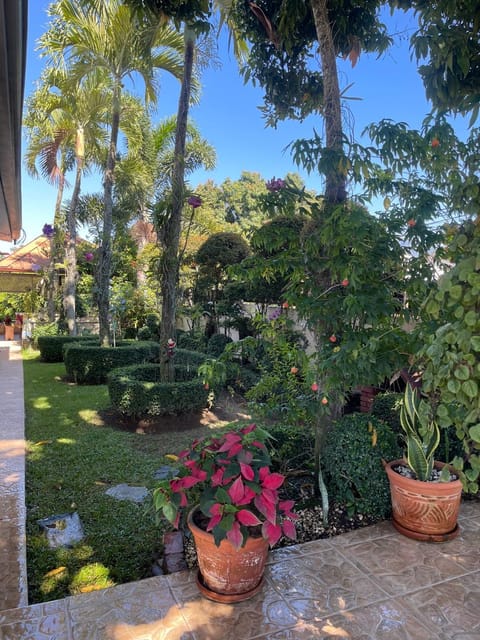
(105, 258)
(71, 245)
(171, 232)
(335, 187)
(55, 249)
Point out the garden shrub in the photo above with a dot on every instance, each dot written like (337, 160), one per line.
(144, 333)
(241, 378)
(217, 343)
(51, 346)
(352, 464)
(192, 341)
(88, 364)
(189, 358)
(291, 448)
(136, 390)
(386, 406)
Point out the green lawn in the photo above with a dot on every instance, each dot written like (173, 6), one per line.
(72, 460)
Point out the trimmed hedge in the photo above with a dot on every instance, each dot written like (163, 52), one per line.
(352, 464)
(137, 391)
(88, 364)
(189, 358)
(51, 347)
(217, 343)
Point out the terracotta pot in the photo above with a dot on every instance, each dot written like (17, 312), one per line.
(227, 574)
(424, 510)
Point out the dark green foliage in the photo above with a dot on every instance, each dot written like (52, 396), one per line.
(352, 464)
(386, 406)
(144, 333)
(189, 358)
(91, 364)
(192, 341)
(217, 343)
(51, 346)
(241, 378)
(291, 448)
(137, 391)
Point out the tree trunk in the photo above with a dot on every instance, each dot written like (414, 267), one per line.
(55, 246)
(171, 231)
(335, 187)
(105, 254)
(71, 245)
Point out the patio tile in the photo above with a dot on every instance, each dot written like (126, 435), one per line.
(144, 609)
(372, 532)
(38, 622)
(398, 564)
(452, 607)
(322, 584)
(265, 613)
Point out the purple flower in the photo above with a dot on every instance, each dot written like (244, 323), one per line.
(275, 184)
(36, 267)
(89, 256)
(48, 230)
(275, 314)
(194, 201)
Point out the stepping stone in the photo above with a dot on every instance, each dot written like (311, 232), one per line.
(63, 530)
(126, 492)
(165, 472)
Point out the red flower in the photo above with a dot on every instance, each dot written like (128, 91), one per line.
(412, 222)
(333, 338)
(314, 386)
(345, 282)
(435, 142)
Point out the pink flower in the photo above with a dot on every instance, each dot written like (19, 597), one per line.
(194, 201)
(345, 282)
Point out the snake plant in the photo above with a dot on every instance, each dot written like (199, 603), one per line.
(422, 433)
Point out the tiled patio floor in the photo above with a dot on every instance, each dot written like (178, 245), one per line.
(370, 584)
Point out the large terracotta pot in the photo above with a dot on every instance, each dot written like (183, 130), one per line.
(424, 510)
(227, 574)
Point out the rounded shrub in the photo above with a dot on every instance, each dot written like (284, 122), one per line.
(52, 347)
(137, 391)
(217, 343)
(192, 341)
(291, 448)
(386, 406)
(352, 463)
(88, 364)
(144, 333)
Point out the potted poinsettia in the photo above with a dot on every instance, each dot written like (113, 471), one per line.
(234, 508)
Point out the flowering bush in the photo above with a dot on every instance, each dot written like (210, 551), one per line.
(230, 478)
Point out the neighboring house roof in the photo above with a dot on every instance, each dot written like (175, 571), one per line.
(13, 39)
(21, 269)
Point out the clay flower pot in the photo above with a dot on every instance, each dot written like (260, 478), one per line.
(425, 511)
(227, 574)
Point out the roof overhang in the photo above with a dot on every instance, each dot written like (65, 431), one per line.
(13, 45)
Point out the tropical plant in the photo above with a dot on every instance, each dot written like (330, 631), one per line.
(422, 434)
(108, 38)
(229, 477)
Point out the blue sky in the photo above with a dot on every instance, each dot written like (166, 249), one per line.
(228, 115)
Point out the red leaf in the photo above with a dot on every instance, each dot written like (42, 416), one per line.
(214, 520)
(248, 496)
(230, 440)
(247, 471)
(273, 481)
(266, 508)
(235, 535)
(272, 532)
(248, 429)
(289, 530)
(247, 518)
(217, 477)
(236, 491)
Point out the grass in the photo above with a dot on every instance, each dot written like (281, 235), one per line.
(72, 459)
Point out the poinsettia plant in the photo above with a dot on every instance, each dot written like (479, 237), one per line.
(229, 477)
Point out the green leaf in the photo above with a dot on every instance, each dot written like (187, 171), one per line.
(471, 318)
(453, 385)
(470, 389)
(462, 372)
(474, 433)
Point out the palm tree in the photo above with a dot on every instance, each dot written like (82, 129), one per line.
(107, 37)
(62, 117)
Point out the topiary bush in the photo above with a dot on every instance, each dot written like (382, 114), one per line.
(189, 358)
(217, 343)
(352, 464)
(51, 347)
(137, 391)
(192, 341)
(88, 364)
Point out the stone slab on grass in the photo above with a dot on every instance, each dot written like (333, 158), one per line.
(126, 492)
